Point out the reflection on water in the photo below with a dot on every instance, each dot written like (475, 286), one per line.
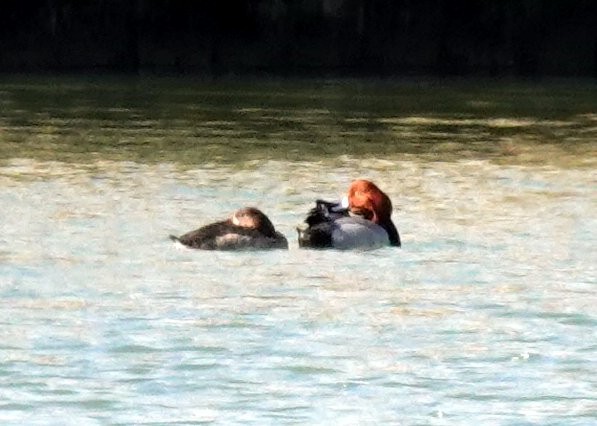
(192, 122)
(485, 315)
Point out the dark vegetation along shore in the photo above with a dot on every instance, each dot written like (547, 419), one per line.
(528, 38)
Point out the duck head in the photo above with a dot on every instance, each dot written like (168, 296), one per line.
(366, 199)
(370, 202)
(251, 217)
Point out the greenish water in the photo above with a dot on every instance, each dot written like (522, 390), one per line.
(486, 315)
(193, 122)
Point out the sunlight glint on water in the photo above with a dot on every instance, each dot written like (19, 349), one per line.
(486, 315)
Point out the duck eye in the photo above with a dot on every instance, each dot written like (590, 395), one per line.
(361, 194)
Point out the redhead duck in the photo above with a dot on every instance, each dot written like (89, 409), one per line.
(247, 228)
(363, 221)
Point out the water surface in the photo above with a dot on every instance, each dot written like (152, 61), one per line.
(486, 315)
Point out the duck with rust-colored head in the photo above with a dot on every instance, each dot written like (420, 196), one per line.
(362, 221)
(247, 229)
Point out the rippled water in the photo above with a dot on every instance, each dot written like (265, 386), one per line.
(486, 315)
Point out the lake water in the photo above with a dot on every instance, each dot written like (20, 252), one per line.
(487, 315)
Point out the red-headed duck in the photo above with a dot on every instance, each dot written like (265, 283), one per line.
(363, 221)
(247, 229)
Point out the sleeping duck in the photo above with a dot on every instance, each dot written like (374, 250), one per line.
(247, 229)
(362, 221)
